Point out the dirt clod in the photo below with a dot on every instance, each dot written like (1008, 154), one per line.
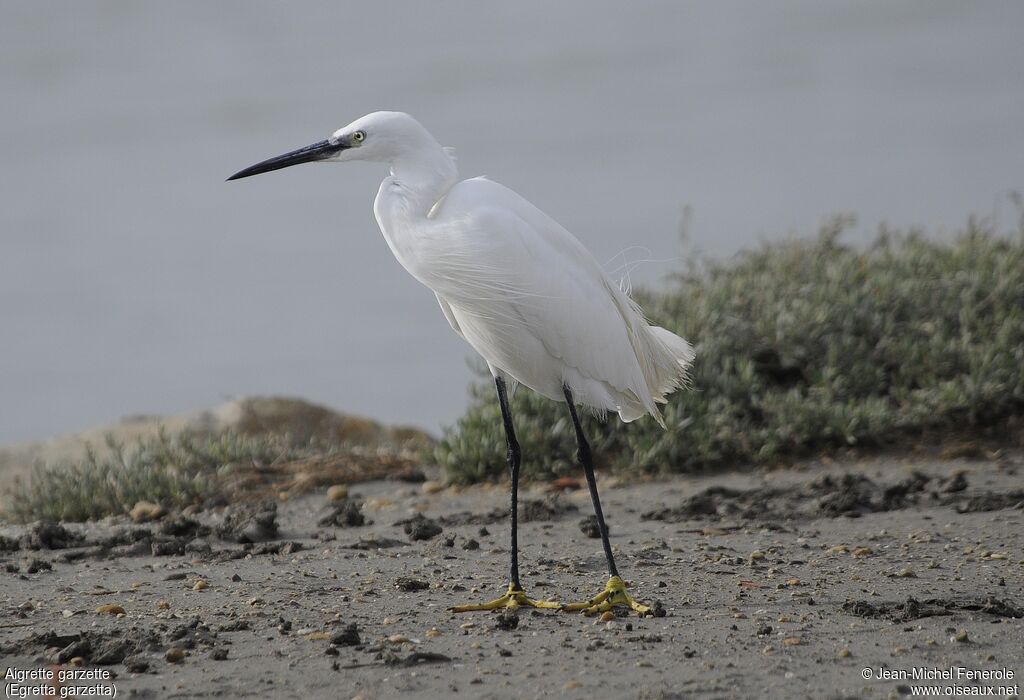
(348, 636)
(50, 535)
(421, 528)
(409, 584)
(589, 527)
(136, 664)
(551, 507)
(346, 513)
(507, 620)
(34, 566)
(250, 522)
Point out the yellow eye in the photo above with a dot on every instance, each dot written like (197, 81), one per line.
(359, 136)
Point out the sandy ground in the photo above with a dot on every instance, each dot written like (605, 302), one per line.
(776, 584)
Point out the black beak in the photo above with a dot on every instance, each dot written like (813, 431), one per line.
(318, 151)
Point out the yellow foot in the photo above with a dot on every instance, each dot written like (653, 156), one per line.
(613, 595)
(515, 598)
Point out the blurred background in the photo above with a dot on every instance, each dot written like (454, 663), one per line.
(134, 280)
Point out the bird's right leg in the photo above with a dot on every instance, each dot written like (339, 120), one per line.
(615, 593)
(515, 595)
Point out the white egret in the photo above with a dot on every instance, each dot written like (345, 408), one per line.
(522, 291)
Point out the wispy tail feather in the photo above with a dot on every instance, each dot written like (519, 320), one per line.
(665, 359)
(663, 356)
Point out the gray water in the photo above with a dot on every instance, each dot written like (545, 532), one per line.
(134, 280)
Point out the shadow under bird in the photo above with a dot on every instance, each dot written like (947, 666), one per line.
(522, 291)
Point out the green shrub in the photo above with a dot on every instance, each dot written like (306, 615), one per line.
(173, 471)
(802, 347)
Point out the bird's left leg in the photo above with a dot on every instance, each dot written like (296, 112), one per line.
(515, 596)
(614, 593)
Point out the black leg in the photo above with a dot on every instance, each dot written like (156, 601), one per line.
(585, 458)
(513, 457)
(514, 597)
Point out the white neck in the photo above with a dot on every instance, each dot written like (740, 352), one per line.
(423, 177)
(419, 179)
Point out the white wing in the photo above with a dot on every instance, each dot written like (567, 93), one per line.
(537, 305)
(446, 309)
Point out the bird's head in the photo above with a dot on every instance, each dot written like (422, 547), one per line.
(379, 137)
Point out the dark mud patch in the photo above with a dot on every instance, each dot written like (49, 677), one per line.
(913, 609)
(985, 502)
(372, 543)
(551, 507)
(844, 496)
(390, 659)
(134, 646)
(50, 535)
(181, 526)
(467, 518)
(193, 634)
(101, 648)
(177, 536)
(284, 547)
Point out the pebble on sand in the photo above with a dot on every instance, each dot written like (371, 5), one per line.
(175, 655)
(110, 609)
(145, 511)
(430, 487)
(337, 493)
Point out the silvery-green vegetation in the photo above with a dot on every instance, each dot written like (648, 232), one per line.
(803, 348)
(173, 471)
